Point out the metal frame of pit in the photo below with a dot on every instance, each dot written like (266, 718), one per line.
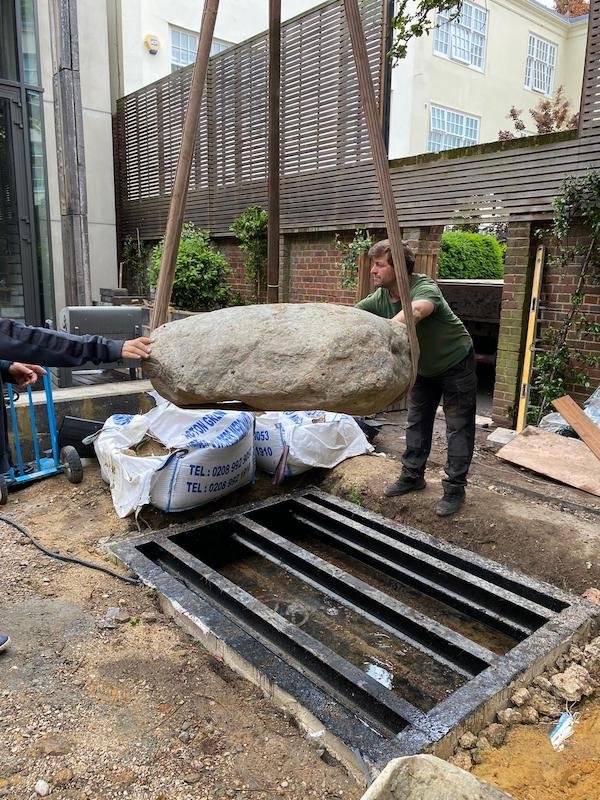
(357, 719)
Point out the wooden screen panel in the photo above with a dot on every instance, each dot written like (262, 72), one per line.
(427, 264)
(321, 122)
(327, 180)
(589, 118)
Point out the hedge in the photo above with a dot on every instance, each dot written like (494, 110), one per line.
(470, 255)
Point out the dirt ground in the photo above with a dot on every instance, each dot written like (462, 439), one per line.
(528, 768)
(138, 711)
(141, 711)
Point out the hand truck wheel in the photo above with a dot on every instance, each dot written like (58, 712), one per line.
(3, 491)
(71, 464)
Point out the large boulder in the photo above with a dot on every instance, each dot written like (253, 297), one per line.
(282, 357)
(426, 777)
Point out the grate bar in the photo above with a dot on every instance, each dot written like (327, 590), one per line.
(510, 605)
(545, 596)
(437, 589)
(432, 638)
(372, 701)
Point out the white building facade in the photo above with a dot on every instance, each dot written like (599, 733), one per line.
(151, 38)
(456, 86)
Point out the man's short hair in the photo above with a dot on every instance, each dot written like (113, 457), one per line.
(383, 249)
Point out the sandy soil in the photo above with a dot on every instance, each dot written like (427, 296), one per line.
(528, 768)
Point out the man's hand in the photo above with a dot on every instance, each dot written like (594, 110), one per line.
(25, 375)
(137, 348)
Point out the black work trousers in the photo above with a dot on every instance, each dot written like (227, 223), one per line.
(457, 388)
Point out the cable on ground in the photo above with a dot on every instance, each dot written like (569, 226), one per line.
(68, 559)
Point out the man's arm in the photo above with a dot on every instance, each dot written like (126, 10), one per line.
(58, 349)
(420, 310)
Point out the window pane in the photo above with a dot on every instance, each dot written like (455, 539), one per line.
(183, 47)
(442, 38)
(463, 39)
(539, 67)
(461, 43)
(450, 129)
(40, 201)
(28, 41)
(8, 42)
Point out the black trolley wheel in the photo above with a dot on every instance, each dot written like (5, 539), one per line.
(71, 464)
(3, 491)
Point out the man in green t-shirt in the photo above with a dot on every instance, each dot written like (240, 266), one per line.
(446, 372)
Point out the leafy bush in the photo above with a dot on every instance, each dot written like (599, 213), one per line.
(351, 254)
(470, 255)
(200, 275)
(250, 229)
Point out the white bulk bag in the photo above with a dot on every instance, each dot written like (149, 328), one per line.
(314, 438)
(212, 454)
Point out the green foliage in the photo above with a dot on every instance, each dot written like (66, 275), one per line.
(412, 20)
(134, 258)
(200, 282)
(351, 252)
(470, 255)
(250, 229)
(353, 495)
(559, 365)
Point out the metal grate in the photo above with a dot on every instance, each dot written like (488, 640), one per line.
(382, 635)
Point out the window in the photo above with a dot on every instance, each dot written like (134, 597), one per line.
(462, 38)
(541, 61)
(450, 128)
(184, 45)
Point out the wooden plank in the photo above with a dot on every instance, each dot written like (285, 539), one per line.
(530, 338)
(558, 457)
(580, 422)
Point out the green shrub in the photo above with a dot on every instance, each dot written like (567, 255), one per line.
(470, 255)
(200, 274)
(250, 229)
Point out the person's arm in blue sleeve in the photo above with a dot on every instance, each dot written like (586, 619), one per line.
(58, 349)
(4, 373)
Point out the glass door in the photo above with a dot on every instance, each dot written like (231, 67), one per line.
(18, 295)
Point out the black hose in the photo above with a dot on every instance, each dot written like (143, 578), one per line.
(68, 559)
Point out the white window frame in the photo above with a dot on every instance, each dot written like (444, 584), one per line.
(178, 63)
(452, 28)
(217, 46)
(445, 111)
(533, 43)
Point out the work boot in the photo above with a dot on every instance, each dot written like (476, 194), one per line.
(403, 485)
(454, 497)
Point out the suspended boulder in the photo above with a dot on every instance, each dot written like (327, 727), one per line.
(282, 357)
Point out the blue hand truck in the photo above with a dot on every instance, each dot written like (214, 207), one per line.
(44, 464)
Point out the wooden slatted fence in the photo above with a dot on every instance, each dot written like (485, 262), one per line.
(328, 181)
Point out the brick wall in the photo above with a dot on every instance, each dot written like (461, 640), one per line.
(310, 264)
(237, 279)
(557, 287)
(513, 321)
(311, 271)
